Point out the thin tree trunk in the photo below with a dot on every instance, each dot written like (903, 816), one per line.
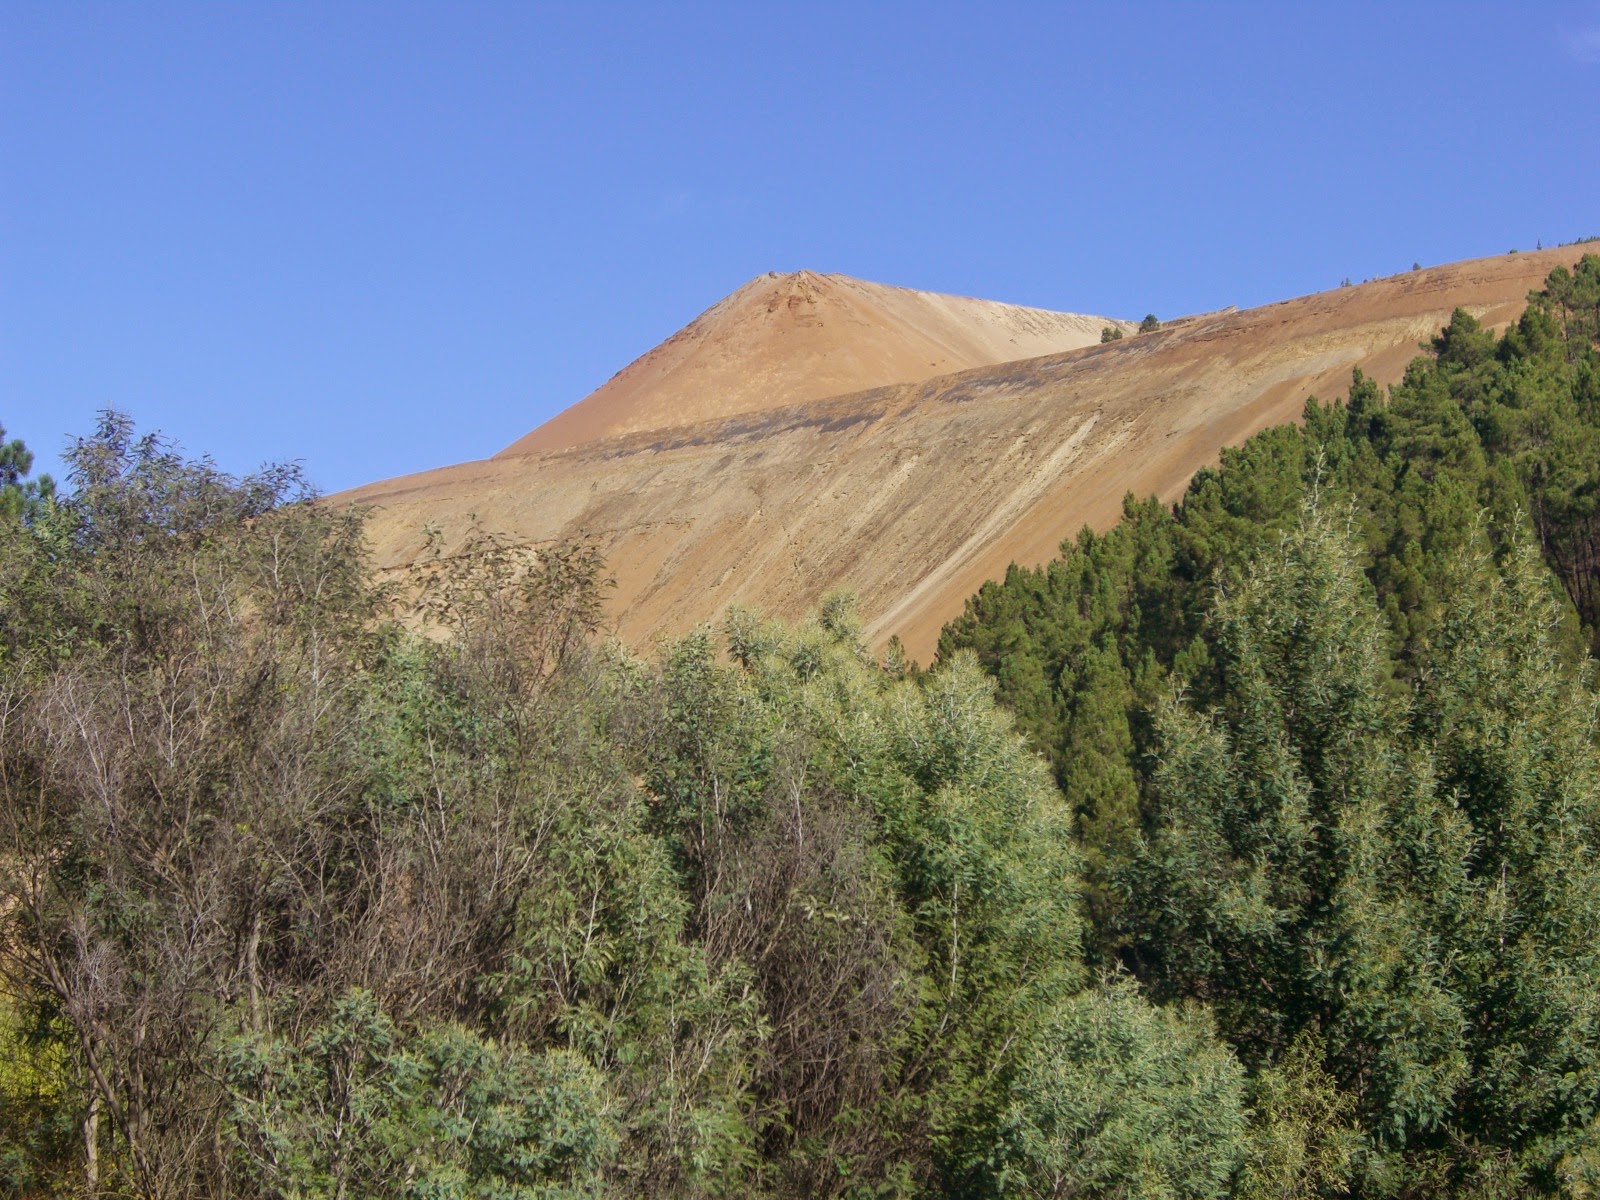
(253, 972)
(91, 1147)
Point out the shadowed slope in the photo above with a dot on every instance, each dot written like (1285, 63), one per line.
(914, 495)
(786, 339)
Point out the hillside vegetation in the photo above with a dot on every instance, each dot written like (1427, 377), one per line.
(297, 902)
(1328, 727)
(312, 886)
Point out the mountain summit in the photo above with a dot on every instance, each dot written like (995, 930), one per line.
(912, 494)
(782, 340)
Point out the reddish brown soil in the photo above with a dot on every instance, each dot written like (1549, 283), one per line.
(782, 340)
(913, 495)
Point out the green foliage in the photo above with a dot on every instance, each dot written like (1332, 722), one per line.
(891, 866)
(21, 498)
(1514, 736)
(1097, 773)
(332, 889)
(362, 1109)
(1503, 428)
(40, 1102)
(1281, 879)
(1111, 333)
(1304, 1141)
(1333, 758)
(1122, 1099)
(1150, 323)
(1572, 300)
(314, 887)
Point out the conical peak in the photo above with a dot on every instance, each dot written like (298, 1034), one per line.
(803, 283)
(912, 499)
(787, 338)
(789, 278)
(798, 289)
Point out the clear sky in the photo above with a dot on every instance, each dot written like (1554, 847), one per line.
(383, 237)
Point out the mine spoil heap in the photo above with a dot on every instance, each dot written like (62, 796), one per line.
(812, 432)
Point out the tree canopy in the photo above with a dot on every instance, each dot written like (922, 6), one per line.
(312, 886)
(1247, 849)
(1328, 727)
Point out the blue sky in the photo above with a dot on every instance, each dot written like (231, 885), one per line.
(382, 237)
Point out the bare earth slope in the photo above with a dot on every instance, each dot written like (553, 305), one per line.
(782, 340)
(913, 495)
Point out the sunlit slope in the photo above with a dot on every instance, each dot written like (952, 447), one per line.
(913, 495)
(782, 340)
